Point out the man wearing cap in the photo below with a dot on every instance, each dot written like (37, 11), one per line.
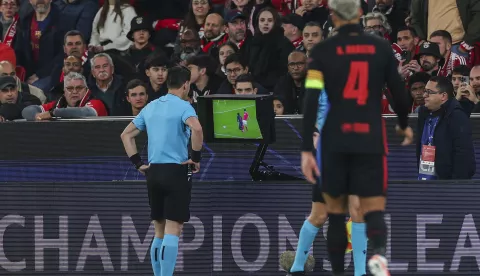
(293, 25)
(141, 31)
(429, 57)
(236, 28)
(11, 102)
(8, 69)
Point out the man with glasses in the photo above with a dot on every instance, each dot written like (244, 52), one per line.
(77, 102)
(444, 140)
(291, 87)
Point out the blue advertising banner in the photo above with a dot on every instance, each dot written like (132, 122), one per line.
(236, 228)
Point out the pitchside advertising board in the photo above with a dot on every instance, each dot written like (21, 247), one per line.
(236, 228)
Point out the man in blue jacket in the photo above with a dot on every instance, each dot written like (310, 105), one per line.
(444, 135)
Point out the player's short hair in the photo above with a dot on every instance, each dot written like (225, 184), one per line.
(461, 70)
(73, 33)
(418, 77)
(410, 29)
(444, 85)
(135, 83)
(156, 59)
(177, 77)
(444, 34)
(245, 78)
(345, 9)
(235, 58)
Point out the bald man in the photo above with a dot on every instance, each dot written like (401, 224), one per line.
(214, 34)
(7, 69)
(475, 78)
(291, 86)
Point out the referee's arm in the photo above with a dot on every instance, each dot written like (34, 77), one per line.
(128, 138)
(197, 133)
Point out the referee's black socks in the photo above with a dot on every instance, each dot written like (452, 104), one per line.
(377, 231)
(337, 242)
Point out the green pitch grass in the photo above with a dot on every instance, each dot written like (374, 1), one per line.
(225, 119)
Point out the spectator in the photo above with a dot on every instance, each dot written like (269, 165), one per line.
(78, 15)
(110, 27)
(460, 74)
(244, 85)
(416, 84)
(377, 23)
(278, 106)
(291, 86)
(267, 55)
(429, 57)
(444, 135)
(451, 60)
(73, 45)
(407, 40)
(8, 20)
(8, 54)
(312, 35)
(234, 67)
(107, 86)
(7, 69)
(70, 64)
(293, 25)
(237, 29)
(77, 102)
(258, 6)
(136, 96)
(214, 35)
(224, 51)
(11, 101)
(203, 79)
(189, 47)
(140, 34)
(472, 91)
(243, 6)
(394, 13)
(196, 15)
(313, 10)
(156, 69)
(39, 41)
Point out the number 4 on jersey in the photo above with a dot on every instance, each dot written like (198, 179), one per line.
(357, 83)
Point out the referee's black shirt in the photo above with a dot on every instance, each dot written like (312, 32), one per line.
(353, 67)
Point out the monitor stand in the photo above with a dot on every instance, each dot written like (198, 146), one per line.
(269, 172)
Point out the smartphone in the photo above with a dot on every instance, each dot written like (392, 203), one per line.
(407, 56)
(465, 79)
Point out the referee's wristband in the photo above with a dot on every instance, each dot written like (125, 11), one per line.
(196, 156)
(136, 160)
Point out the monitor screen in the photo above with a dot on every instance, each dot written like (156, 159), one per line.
(235, 119)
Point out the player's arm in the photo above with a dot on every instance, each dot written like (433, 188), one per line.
(314, 86)
(398, 92)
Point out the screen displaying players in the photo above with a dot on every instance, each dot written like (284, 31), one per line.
(235, 119)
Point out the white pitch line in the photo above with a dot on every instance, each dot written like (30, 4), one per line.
(232, 109)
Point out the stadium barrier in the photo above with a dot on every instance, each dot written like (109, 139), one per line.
(236, 228)
(91, 150)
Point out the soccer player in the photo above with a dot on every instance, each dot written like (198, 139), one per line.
(240, 123)
(245, 119)
(168, 181)
(353, 136)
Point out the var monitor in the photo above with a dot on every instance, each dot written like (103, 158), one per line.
(237, 118)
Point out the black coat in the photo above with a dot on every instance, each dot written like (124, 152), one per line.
(267, 57)
(286, 90)
(452, 138)
(119, 104)
(14, 111)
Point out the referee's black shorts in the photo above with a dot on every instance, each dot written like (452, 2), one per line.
(363, 175)
(169, 192)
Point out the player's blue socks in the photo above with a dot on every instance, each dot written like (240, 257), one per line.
(359, 246)
(168, 254)
(155, 255)
(307, 236)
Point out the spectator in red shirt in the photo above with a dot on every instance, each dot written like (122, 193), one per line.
(451, 59)
(214, 34)
(77, 102)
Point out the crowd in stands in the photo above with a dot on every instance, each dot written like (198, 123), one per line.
(80, 58)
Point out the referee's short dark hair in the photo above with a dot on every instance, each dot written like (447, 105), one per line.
(177, 77)
(135, 83)
(444, 85)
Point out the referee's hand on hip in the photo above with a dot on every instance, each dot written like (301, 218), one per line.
(143, 169)
(195, 167)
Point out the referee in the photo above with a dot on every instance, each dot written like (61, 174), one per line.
(168, 122)
(352, 69)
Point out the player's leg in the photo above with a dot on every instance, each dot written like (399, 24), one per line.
(156, 201)
(359, 236)
(335, 188)
(370, 185)
(310, 228)
(177, 211)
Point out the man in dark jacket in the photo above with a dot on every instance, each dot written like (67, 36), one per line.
(39, 42)
(291, 86)
(11, 101)
(78, 15)
(203, 80)
(444, 135)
